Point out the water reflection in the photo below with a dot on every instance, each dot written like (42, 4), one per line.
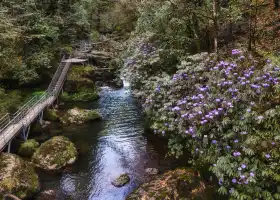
(116, 145)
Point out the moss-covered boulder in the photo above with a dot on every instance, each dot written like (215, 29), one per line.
(121, 180)
(80, 116)
(17, 177)
(28, 148)
(55, 154)
(51, 115)
(179, 184)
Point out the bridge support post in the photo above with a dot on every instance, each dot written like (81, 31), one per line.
(25, 133)
(41, 117)
(9, 146)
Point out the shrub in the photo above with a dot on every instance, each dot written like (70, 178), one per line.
(227, 114)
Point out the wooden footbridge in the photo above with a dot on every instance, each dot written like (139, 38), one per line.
(18, 124)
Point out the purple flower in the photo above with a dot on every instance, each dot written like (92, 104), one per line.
(241, 57)
(235, 141)
(231, 190)
(228, 147)
(235, 51)
(234, 180)
(273, 143)
(242, 176)
(243, 166)
(267, 155)
(236, 153)
(252, 174)
(214, 141)
(246, 182)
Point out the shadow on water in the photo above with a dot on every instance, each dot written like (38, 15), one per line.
(108, 148)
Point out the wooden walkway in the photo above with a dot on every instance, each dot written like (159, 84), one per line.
(19, 122)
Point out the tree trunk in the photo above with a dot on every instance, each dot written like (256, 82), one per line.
(216, 27)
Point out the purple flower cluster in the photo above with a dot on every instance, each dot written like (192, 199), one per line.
(213, 103)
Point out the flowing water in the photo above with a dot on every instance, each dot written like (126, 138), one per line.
(115, 145)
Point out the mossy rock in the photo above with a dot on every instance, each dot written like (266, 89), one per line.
(17, 177)
(80, 116)
(121, 180)
(93, 115)
(28, 148)
(82, 96)
(179, 184)
(55, 154)
(51, 115)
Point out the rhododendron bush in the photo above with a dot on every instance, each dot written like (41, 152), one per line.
(227, 114)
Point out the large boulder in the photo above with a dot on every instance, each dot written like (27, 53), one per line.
(55, 154)
(80, 116)
(17, 177)
(28, 148)
(178, 184)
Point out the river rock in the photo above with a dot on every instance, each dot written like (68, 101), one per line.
(121, 180)
(17, 177)
(28, 148)
(151, 171)
(173, 185)
(46, 195)
(117, 82)
(79, 116)
(55, 154)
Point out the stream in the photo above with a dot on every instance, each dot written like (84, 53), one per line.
(115, 145)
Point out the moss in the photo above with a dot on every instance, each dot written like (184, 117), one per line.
(55, 153)
(83, 96)
(92, 115)
(51, 115)
(28, 148)
(78, 116)
(17, 177)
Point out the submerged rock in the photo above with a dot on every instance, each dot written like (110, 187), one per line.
(121, 180)
(173, 185)
(28, 148)
(55, 153)
(79, 116)
(17, 177)
(152, 171)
